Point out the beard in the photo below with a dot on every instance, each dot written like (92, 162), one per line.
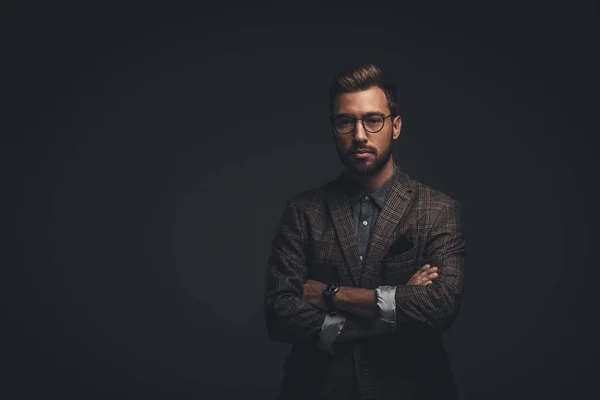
(366, 167)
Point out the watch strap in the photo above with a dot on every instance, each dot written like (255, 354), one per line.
(329, 302)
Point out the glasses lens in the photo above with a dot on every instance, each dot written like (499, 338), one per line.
(373, 123)
(343, 123)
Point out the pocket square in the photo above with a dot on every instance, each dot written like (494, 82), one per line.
(400, 245)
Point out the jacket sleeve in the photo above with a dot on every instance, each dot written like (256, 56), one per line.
(435, 306)
(289, 318)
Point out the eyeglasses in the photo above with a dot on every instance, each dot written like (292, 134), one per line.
(345, 123)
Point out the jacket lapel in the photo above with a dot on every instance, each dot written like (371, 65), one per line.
(382, 237)
(343, 223)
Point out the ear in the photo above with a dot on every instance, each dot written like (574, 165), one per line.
(396, 126)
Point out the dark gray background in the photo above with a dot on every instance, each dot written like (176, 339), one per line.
(151, 150)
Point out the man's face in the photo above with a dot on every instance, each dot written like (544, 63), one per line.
(379, 144)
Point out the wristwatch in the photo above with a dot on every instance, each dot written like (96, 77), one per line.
(328, 292)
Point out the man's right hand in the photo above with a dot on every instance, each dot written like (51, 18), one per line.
(424, 276)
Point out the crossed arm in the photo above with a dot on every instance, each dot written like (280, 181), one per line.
(293, 312)
(359, 306)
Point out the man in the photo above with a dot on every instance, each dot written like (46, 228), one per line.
(366, 271)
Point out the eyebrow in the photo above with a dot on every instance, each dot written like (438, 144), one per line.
(364, 115)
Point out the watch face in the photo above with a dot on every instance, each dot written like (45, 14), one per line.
(331, 288)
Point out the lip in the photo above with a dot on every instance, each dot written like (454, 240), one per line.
(361, 154)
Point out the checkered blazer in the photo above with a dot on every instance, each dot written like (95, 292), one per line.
(316, 239)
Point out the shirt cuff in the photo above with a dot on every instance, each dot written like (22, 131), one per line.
(331, 328)
(386, 301)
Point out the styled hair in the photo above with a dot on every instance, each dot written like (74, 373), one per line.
(359, 76)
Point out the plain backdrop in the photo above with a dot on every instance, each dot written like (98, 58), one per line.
(150, 150)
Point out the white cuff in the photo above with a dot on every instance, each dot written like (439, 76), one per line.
(386, 301)
(331, 328)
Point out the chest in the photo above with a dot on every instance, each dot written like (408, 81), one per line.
(330, 257)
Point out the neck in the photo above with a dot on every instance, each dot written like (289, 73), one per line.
(371, 183)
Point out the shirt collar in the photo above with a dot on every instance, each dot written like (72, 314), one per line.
(355, 192)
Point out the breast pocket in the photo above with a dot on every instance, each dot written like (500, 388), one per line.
(404, 256)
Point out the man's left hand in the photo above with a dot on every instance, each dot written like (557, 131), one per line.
(312, 291)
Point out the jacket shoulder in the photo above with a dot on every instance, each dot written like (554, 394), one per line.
(430, 196)
(309, 198)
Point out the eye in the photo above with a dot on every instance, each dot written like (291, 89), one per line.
(344, 120)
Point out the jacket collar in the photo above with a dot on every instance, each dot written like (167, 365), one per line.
(355, 192)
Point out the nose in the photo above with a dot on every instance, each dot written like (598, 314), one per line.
(359, 132)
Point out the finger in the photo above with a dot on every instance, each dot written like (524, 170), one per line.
(425, 267)
(427, 283)
(427, 275)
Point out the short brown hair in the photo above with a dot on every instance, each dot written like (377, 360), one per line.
(359, 76)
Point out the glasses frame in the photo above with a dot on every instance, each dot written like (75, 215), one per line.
(333, 117)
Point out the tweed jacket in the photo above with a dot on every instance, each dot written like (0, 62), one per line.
(316, 239)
